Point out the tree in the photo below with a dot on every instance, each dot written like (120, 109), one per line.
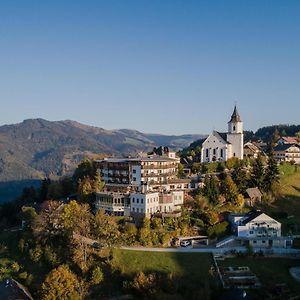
(145, 233)
(196, 168)
(240, 177)
(105, 228)
(47, 226)
(258, 173)
(180, 171)
(211, 189)
(220, 167)
(271, 173)
(85, 169)
(62, 284)
(86, 189)
(98, 183)
(97, 276)
(204, 168)
(229, 190)
(76, 218)
(28, 215)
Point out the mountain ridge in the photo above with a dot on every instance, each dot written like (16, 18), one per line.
(38, 148)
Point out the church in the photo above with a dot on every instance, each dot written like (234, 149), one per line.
(222, 146)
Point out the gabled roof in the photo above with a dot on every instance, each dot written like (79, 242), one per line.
(289, 139)
(235, 117)
(253, 192)
(10, 289)
(253, 215)
(284, 147)
(221, 135)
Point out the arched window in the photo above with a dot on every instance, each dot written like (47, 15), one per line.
(233, 128)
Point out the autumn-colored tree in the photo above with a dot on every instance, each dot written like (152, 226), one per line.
(105, 228)
(47, 226)
(229, 189)
(145, 285)
(97, 276)
(98, 185)
(62, 284)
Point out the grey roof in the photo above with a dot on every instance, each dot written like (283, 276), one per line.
(10, 289)
(253, 192)
(137, 159)
(251, 216)
(222, 136)
(284, 147)
(235, 117)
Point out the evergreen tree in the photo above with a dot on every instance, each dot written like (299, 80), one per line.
(240, 177)
(258, 173)
(272, 173)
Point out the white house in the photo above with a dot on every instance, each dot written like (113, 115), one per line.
(287, 152)
(259, 230)
(222, 146)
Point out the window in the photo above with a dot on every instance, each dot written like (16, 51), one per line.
(133, 209)
(207, 153)
(134, 171)
(233, 128)
(263, 242)
(137, 200)
(251, 232)
(142, 210)
(254, 242)
(137, 210)
(214, 151)
(142, 200)
(221, 152)
(132, 200)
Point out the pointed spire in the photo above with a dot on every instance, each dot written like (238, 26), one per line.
(235, 116)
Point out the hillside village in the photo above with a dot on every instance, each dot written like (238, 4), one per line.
(215, 199)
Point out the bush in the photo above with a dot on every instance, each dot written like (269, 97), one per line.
(218, 230)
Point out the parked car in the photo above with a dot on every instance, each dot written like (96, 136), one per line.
(185, 243)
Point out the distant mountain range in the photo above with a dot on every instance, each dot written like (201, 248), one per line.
(38, 148)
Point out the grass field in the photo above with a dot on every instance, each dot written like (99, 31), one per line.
(193, 270)
(270, 271)
(288, 203)
(196, 266)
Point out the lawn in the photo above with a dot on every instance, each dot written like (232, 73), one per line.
(194, 270)
(286, 209)
(270, 271)
(196, 266)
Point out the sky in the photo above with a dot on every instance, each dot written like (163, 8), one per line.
(168, 66)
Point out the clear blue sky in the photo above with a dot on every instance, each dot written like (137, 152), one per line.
(162, 66)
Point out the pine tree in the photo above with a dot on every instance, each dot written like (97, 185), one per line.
(258, 173)
(272, 173)
(230, 190)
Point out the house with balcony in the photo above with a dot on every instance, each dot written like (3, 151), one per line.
(141, 187)
(257, 229)
(287, 153)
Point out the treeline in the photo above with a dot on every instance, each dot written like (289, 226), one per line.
(83, 185)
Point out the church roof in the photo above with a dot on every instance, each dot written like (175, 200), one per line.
(222, 136)
(235, 116)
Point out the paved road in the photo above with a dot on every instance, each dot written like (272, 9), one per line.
(276, 251)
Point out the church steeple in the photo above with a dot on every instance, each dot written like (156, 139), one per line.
(235, 117)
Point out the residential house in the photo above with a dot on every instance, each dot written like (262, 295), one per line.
(251, 150)
(287, 140)
(253, 196)
(258, 230)
(287, 153)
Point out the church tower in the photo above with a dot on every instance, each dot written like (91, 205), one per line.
(235, 135)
